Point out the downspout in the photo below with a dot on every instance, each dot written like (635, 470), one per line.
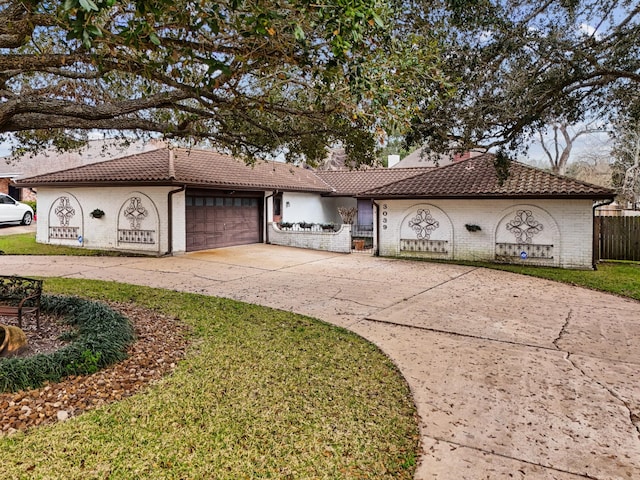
(170, 216)
(376, 251)
(172, 176)
(266, 211)
(595, 254)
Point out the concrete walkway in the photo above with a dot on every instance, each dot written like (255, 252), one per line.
(513, 377)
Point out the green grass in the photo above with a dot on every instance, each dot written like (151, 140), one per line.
(617, 277)
(25, 244)
(620, 278)
(262, 394)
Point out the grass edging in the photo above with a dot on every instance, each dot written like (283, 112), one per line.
(100, 338)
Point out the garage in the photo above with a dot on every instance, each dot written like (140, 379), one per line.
(217, 219)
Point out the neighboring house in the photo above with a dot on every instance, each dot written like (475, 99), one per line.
(48, 161)
(6, 182)
(463, 212)
(175, 200)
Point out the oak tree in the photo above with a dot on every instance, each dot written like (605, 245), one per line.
(518, 65)
(626, 166)
(251, 76)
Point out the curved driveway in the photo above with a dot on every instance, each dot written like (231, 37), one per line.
(513, 377)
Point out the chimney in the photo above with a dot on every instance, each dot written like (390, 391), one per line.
(458, 157)
(392, 160)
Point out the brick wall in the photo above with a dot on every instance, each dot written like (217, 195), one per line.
(339, 241)
(566, 226)
(113, 231)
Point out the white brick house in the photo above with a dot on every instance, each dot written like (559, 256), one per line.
(169, 201)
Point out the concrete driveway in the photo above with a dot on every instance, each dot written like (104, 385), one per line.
(11, 229)
(513, 377)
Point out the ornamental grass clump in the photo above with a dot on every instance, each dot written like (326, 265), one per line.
(100, 338)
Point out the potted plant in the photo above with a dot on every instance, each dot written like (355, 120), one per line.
(328, 227)
(305, 225)
(97, 213)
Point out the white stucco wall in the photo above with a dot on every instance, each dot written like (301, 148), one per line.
(64, 214)
(333, 203)
(564, 224)
(308, 207)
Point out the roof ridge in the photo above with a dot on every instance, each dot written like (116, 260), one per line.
(376, 169)
(172, 167)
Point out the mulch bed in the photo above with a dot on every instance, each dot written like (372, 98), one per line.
(161, 343)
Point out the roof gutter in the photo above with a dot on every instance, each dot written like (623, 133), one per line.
(595, 235)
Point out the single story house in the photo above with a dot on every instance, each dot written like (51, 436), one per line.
(173, 200)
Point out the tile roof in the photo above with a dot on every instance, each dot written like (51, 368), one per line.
(473, 178)
(477, 178)
(187, 167)
(352, 182)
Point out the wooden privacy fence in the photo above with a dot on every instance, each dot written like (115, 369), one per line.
(618, 238)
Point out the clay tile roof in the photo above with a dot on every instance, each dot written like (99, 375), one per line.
(184, 166)
(477, 178)
(352, 182)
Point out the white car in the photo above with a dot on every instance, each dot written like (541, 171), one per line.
(12, 211)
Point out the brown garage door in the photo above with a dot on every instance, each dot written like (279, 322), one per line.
(214, 221)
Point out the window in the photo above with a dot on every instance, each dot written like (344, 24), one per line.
(277, 204)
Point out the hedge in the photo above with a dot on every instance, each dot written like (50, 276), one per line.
(100, 338)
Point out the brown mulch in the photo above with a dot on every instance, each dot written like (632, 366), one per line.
(161, 343)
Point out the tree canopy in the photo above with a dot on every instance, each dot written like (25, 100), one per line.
(252, 76)
(626, 166)
(520, 65)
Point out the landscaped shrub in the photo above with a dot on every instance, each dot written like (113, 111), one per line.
(32, 204)
(100, 338)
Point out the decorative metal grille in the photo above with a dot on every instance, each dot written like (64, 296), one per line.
(64, 233)
(524, 226)
(516, 250)
(428, 246)
(136, 236)
(135, 213)
(423, 224)
(64, 211)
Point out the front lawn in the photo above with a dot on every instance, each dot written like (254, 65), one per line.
(621, 278)
(262, 394)
(25, 244)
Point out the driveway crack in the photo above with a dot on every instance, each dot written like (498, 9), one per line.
(563, 330)
(633, 418)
